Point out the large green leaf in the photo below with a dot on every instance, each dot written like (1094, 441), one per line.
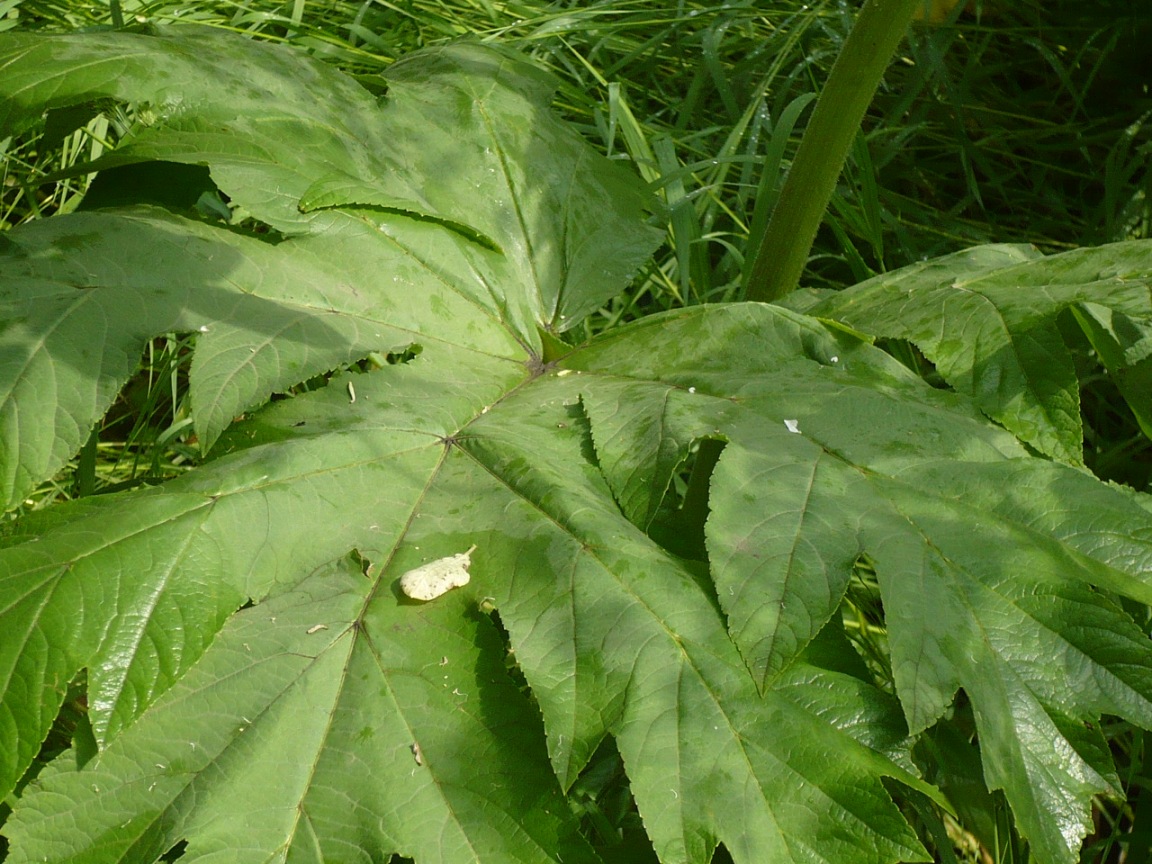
(571, 235)
(564, 568)
(258, 684)
(83, 294)
(987, 318)
(463, 137)
(304, 705)
(843, 456)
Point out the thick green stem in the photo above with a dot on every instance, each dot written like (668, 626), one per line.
(86, 467)
(783, 251)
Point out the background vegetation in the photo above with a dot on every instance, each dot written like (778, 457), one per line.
(1021, 121)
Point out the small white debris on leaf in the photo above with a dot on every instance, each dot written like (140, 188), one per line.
(429, 581)
(792, 426)
(416, 754)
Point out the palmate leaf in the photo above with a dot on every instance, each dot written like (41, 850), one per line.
(266, 317)
(565, 569)
(333, 719)
(844, 456)
(307, 704)
(987, 318)
(569, 243)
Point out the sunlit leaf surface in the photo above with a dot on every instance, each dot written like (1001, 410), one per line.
(262, 689)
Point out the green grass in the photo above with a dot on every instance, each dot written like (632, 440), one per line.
(1020, 121)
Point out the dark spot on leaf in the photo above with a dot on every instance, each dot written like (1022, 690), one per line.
(536, 365)
(74, 242)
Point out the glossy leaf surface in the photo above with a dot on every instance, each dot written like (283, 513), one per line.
(987, 318)
(259, 686)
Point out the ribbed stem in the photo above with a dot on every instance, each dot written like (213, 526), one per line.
(783, 251)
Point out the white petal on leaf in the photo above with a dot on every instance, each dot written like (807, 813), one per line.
(792, 426)
(429, 581)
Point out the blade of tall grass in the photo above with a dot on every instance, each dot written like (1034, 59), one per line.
(685, 226)
(620, 117)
